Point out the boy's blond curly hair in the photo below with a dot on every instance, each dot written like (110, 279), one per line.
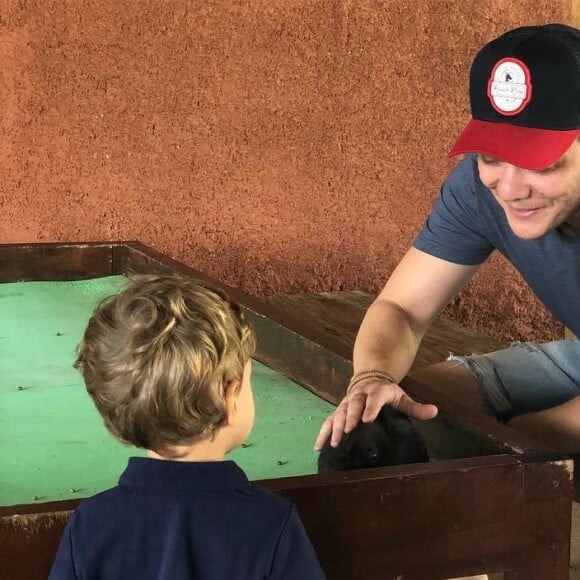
(158, 357)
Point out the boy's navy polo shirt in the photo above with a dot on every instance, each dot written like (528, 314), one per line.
(172, 520)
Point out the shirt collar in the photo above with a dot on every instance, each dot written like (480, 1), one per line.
(144, 472)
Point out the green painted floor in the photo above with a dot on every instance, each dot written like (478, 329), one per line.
(53, 444)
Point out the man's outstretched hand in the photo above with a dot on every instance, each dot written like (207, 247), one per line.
(364, 401)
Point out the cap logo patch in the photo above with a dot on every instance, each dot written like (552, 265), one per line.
(510, 87)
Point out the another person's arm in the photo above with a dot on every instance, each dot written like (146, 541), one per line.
(389, 337)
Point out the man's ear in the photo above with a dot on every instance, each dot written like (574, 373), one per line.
(231, 399)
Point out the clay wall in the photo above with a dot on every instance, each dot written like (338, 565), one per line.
(279, 146)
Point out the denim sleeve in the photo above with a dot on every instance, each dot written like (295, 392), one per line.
(294, 556)
(456, 231)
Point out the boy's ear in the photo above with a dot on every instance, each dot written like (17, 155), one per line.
(231, 398)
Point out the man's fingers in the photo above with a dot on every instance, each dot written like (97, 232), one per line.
(324, 433)
(416, 410)
(366, 405)
(339, 421)
(374, 403)
(354, 411)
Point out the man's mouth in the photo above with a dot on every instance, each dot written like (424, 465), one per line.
(524, 213)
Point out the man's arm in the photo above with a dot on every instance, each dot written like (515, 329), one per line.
(389, 337)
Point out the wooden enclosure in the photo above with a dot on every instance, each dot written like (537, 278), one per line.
(493, 501)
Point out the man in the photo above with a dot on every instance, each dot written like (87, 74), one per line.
(517, 191)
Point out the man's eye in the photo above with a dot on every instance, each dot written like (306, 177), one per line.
(489, 160)
(547, 170)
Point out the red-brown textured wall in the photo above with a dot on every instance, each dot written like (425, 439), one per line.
(279, 146)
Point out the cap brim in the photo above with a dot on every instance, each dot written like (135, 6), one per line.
(521, 146)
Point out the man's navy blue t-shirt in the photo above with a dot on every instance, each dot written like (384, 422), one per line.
(467, 224)
(171, 520)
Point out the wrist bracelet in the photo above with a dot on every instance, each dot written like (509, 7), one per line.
(375, 374)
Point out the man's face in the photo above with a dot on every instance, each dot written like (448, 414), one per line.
(536, 202)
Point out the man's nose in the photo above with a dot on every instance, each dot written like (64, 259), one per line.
(511, 183)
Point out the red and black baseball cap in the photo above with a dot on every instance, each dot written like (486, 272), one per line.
(524, 90)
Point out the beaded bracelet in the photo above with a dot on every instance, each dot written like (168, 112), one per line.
(375, 374)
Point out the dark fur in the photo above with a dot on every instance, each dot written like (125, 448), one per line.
(391, 439)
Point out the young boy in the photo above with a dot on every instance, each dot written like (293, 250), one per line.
(167, 364)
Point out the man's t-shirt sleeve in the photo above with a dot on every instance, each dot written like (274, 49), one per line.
(455, 231)
(294, 556)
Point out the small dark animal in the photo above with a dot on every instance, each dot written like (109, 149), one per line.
(391, 439)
